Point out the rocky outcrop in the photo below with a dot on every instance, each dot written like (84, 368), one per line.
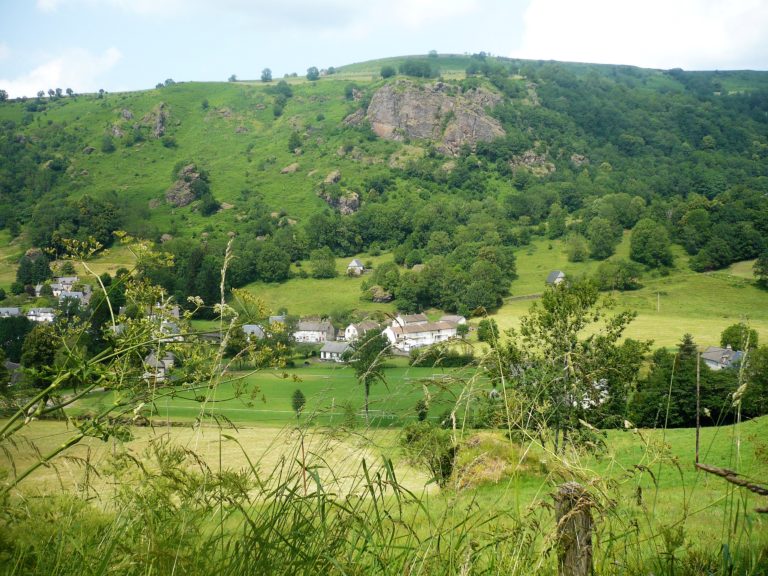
(333, 177)
(533, 161)
(290, 169)
(439, 112)
(183, 191)
(157, 120)
(347, 202)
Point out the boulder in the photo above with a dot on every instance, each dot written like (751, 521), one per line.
(290, 169)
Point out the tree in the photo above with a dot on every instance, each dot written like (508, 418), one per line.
(488, 331)
(3, 95)
(70, 92)
(5, 375)
(388, 71)
(13, 332)
(567, 362)
(313, 73)
(367, 355)
(602, 238)
(266, 75)
(232, 78)
(760, 270)
(294, 141)
(323, 263)
(576, 248)
(650, 244)
(739, 337)
(38, 353)
(298, 400)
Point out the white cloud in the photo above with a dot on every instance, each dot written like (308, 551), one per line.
(654, 33)
(75, 68)
(416, 13)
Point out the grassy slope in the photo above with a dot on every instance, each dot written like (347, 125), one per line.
(700, 304)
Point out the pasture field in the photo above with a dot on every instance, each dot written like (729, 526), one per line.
(333, 396)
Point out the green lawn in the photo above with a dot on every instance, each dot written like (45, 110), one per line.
(264, 398)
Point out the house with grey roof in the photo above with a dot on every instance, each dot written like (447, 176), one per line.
(41, 314)
(333, 351)
(355, 268)
(354, 331)
(253, 331)
(409, 319)
(717, 358)
(412, 336)
(314, 331)
(10, 312)
(555, 277)
(156, 370)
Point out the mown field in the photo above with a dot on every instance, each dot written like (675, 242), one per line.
(333, 395)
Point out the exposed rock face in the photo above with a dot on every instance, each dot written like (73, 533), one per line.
(290, 169)
(438, 112)
(533, 161)
(182, 192)
(346, 203)
(157, 119)
(333, 177)
(126, 114)
(378, 294)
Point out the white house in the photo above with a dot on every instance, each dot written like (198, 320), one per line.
(410, 319)
(156, 370)
(354, 331)
(313, 331)
(412, 336)
(355, 268)
(333, 351)
(9, 312)
(41, 314)
(717, 358)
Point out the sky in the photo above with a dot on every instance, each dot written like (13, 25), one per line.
(122, 45)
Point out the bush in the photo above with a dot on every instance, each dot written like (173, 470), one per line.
(388, 71)
(431, 447)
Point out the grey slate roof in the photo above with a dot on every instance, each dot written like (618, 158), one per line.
(334, 347)
(725, 357)
(554, 275)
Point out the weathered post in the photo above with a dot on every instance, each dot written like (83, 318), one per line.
(574, 530)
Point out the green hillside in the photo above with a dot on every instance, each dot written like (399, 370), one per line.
(588, 153)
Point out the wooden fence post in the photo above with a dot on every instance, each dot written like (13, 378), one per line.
(574, 530)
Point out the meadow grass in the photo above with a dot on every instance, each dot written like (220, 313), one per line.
(332, 392)
(667, 306)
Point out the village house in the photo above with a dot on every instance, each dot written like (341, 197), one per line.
(411, 336)
(354, 331)
(409, 320)
(334, 351)
(355, 268)
(453, 318)
(555, 277)
(253, 332)
(41, 314)
(10, 312)
(717, 358)
(156, 370)
(314, 331)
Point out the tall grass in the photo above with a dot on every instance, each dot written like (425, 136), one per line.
(332, 500)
